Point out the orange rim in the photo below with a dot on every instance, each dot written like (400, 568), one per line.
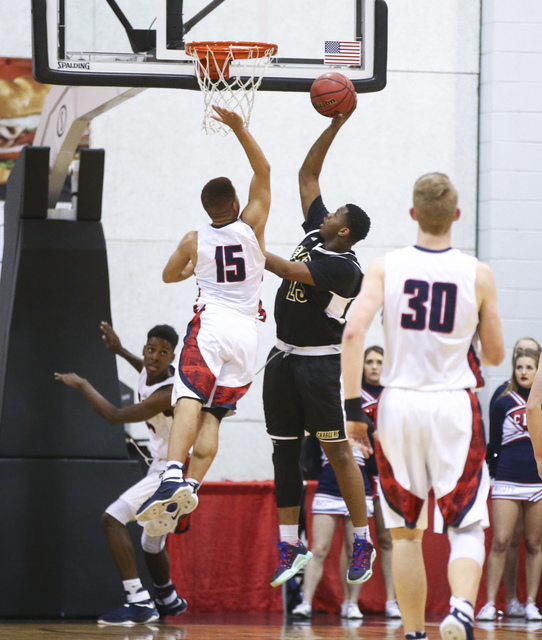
(223, 50)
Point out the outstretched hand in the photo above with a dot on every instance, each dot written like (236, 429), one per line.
(357, 432)
(71, 379)
(232, 119)
(110, 338)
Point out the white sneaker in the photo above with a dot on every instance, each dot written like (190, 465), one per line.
(353, 612)
(488, 613)
(303, 610)
(344, 609)
(392, 609)
(514, 609)
(532, 614)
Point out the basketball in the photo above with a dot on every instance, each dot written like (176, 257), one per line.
(332, 94)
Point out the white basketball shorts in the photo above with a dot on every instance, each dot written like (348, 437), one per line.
(136, 495)
(218, 359)
(431, 439)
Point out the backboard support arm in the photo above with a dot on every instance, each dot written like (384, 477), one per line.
(66, 114)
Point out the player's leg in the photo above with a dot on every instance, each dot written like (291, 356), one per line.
(532, 521)
(138, 608)
(514, 608)
(461, 484)
(352, 486)
(410, 578)
(383, 538)
(350, 606)
(323, 530)
(284, 421)
(168, 602)
(174, 495)
(206, 444)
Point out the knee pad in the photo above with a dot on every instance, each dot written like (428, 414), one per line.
(468, 542)
(151, 544)
(288, 478)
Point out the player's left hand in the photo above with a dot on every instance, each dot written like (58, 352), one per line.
(71, 379)
(357, 431)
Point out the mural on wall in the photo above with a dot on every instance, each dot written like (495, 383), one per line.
(21, 102)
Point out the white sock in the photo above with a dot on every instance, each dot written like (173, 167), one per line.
(194, 482)
(462, 605)
(135, 592)
(174, 471)
(289, 533)
(363, 532)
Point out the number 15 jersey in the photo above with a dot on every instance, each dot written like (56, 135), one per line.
(229, 271)
(430, 317)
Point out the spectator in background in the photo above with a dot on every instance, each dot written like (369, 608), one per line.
(517, 492)
(514, 608)
(373, 361)
(328, 508)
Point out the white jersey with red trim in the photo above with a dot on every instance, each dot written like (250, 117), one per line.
(430, 317)
(229, 269)
(160, 424)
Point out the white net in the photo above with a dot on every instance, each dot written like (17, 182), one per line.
(229, 77)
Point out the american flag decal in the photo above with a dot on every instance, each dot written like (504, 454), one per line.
(341, 52)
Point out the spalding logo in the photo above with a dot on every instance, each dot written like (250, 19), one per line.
(327, 103)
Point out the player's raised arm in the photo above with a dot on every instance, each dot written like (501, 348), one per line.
(256, 212)
(113, 344)
(489, 325)
(309, 174)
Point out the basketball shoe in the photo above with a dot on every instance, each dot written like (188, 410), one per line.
(456, 626)
(170, 492)
(488, 613)
(130, 614)
(303, 610)
(292, 559)
(514, 609)
(361, 568)
(169, 602)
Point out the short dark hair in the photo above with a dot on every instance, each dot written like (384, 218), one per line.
(166, 332)
(217, 195)
(358, 222)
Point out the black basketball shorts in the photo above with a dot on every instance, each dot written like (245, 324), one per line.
(303, 393)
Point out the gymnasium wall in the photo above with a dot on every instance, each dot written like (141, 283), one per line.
(426, 119)
(510, 197)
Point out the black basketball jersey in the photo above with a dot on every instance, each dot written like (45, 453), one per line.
(310, 316)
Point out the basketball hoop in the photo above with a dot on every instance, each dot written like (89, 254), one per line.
(212, 60)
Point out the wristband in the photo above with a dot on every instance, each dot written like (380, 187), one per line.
(353, 410)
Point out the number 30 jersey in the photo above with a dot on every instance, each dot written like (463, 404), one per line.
(230, 265)
(430, 317)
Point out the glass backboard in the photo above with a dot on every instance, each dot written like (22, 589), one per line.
(141, 43)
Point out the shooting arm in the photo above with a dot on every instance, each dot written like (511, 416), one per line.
(309, 174)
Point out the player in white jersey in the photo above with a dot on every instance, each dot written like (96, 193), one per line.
(154, 408)
(218, 359)
(430, 431)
